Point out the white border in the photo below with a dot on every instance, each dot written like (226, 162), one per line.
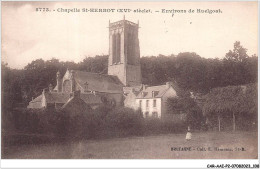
(196, 163)
(120, 163)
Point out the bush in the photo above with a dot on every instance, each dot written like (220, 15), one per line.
(124, 122)
(46, 125)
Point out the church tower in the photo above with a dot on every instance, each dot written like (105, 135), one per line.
(124, 52)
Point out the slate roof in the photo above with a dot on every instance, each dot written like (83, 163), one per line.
(76, 105)
(55, 97)
(135, 90)
(99, 82)
(158, 92)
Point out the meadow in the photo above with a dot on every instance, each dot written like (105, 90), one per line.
(204, 145)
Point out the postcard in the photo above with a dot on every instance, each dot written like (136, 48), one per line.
(130, 80)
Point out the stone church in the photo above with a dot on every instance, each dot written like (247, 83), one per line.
(121, 86)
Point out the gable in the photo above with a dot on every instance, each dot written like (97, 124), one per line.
(36, 103)
(170, 93)
(66, 75)
(76, 105)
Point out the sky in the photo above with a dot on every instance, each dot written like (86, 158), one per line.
(28, 35)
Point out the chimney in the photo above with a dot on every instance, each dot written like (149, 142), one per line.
(86, 87)
(73, 83)
(44, 91)
(50, 88)
(76, 94)
(59, 83)
(142, 94)
(144, 86)
(168, 84)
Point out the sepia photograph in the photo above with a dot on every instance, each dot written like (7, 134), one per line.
(129, 80)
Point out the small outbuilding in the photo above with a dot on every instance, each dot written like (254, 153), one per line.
(76, 105)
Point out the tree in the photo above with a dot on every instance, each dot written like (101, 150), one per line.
(186, 105)
(231, 100)
(236, 67)
(238, 54)
(11, 87)
(97, 64)
(188, 69)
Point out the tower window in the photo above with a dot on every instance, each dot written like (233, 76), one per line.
(118, 48)
(113, 48)
(130, 49)
(140, 103)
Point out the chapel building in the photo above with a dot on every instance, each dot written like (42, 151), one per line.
(121, 86)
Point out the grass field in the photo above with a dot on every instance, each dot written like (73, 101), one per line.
(148, 147)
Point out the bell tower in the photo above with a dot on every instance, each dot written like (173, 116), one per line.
(124, 52)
